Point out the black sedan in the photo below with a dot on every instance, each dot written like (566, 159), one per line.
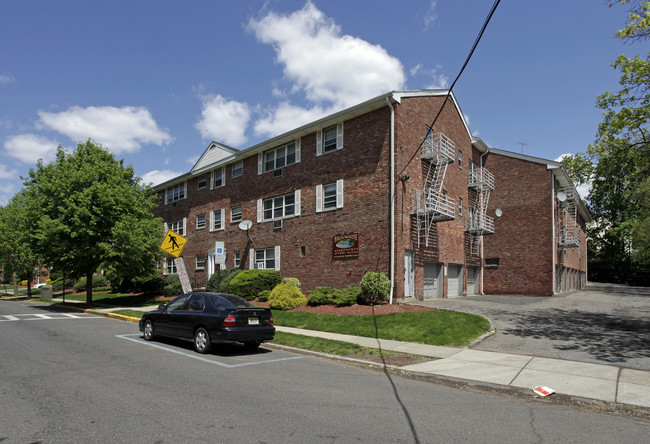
(210, 318)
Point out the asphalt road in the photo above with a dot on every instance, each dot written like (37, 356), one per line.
(74, 377)
(604, 324)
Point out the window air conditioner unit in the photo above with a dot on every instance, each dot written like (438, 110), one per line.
(277, 224)
(259, 265)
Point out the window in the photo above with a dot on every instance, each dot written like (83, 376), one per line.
(280, 157)
(492, 262)
(202, 181)
(237, 259)
(238, 168)
(177, 227)
(460, 159)
(200, 221)
(279, 207)
(177, 192)
(235, 214)
(170, 266)
(265, 259)
(329, 139)
(329, 196)
(216, 220)
(460, 206)
(200, 261)
(218, 178)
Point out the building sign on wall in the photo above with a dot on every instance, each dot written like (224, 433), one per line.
(345, 245)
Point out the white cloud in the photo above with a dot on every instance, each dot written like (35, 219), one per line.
(431, 15)
(121, 130)
(29, 148)
(224, 121)
(287, 117)
(6, 78)
(438, 79)
(156, 177)
(7, 191)
(322, 64)
(5, 173)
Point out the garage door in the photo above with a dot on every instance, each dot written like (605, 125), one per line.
(455, 281)
(432, 286)
(473, 280)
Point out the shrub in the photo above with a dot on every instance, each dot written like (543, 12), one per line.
(98, 280)
(375, 287)
(263, 295)
(321, 296)
(23, 283)
(249, 283)
(224, 277)
(348, 296)
(172, 286)
(292, 281)
(58, 284)
(286, 297)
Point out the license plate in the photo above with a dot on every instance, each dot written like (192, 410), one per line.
(253, 321)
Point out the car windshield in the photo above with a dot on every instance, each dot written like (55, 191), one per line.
(230, 301)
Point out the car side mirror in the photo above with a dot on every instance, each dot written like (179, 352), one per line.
(161, 307)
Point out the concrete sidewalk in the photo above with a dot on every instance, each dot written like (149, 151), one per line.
(595, 381)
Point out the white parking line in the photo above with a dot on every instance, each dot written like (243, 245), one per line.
(198, 357)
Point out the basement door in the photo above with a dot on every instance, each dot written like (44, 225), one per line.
(454, 281)
(473, 280)
(432, 280)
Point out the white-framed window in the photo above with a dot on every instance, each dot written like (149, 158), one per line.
(218, 178)
(202, 181)
(279, 157)
(217, 218)
(265, 258)
(460, 159)
(329, 196)
(329, 139)
(200, 261)
(278, 207)
(170, 266)
(200, 221)
(238, 168)
(175, 193)
(460, 206)
(237, 259)
(178, 226)
(236, 214)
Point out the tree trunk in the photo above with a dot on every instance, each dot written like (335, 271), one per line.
(89, 288)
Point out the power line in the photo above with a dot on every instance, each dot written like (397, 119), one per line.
(469, 56)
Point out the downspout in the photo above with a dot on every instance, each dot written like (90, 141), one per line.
(482, 253)
(392, 200)
(553, 235)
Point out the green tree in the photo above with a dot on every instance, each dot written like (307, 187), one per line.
(16, 253)
(617, 164)
(89, 211)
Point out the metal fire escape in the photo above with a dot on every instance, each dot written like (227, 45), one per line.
(568, 230)
(432, 204)
(479, 223)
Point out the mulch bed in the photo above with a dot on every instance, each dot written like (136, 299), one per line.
(357, 310)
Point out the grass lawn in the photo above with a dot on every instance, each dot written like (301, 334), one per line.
(437, 327)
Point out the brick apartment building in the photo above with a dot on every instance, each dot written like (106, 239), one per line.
(373, 188)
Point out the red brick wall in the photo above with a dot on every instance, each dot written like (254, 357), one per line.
(523, 238)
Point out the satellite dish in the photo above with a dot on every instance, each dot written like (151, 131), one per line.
(561, 196)
(245, 225)
(498, 212)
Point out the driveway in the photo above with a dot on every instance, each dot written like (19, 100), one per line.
(603, 324)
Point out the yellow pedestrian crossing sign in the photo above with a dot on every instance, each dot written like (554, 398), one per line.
(173, 243)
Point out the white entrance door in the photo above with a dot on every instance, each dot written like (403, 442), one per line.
(455, 281)
(409, 274)
(432, 285)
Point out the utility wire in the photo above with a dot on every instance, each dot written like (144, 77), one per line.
(469, 56)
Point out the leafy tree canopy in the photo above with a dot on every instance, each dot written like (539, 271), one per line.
(89, 211)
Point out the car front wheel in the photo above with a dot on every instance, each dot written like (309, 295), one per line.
(149, 333)
(201, 340)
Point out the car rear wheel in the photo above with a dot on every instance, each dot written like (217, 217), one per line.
(201, 340)
(149, 333)
(252, 345)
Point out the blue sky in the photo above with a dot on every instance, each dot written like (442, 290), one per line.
(156, 81)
